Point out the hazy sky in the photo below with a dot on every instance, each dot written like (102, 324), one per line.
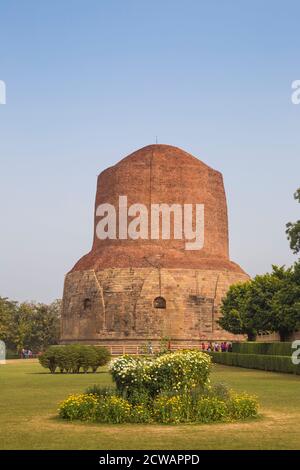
(90, 81)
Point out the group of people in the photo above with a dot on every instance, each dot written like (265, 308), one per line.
(26, 354)
(217, 347)
(224, 346)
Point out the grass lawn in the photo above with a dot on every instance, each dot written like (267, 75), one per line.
(28, 414)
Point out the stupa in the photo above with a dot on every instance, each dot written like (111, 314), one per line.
(144, 285)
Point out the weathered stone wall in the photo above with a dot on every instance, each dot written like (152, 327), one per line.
(117, 304)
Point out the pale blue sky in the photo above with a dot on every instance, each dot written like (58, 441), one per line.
(90, 81)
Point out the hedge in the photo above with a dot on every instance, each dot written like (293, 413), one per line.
(74, 357)
(274, 349)
(257, 361)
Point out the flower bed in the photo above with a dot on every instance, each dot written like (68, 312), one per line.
(172, 388)
(163, 409)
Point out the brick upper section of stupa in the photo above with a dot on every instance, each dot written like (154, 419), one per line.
(162, 174)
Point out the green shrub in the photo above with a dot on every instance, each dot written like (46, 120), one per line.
(73, 358)
(68, 358)
(49, 359)
(257, 361)
(87, 358)
(274, 349)
(103, 356)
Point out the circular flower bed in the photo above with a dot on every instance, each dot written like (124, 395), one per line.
(172, 388)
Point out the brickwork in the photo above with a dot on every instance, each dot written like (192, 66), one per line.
(109, 294)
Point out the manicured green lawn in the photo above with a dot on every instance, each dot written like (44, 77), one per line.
(28, 414)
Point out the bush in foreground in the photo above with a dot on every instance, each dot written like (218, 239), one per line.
(173, 388)
(73, 358)
(180, 371)
(167, 409)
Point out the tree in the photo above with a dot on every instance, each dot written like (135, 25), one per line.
(286, 304)
(236, 318)
(29, 325)
(7, 310)
(248, 308)
(260, 295)
(293, 230)
(267, 303)
(39, 325)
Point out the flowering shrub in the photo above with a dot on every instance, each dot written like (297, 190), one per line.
(81, 407)
(210, 409)
(169, 409)
(112, 409)
(242, 406)
(163, 409)
(206, 409)
(178, 371)
(130, 373)
(87, 407)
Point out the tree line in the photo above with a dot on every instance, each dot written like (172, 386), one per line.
(29, 325)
